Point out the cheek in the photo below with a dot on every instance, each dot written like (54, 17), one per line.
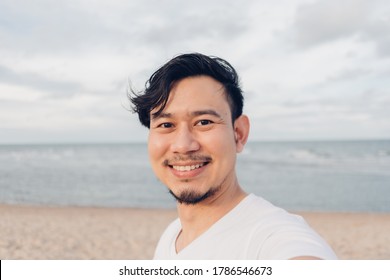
(156, 146)
(220, 142)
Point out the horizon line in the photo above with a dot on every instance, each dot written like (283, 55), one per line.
(41, 143)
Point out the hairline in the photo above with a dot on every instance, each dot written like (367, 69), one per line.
(223, 89)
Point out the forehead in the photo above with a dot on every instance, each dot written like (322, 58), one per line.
(196, 93)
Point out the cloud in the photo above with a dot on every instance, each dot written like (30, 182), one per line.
(193, 23)
(38, 83)
(51, 26)
(349, 74)
(325, 21)
(379, 32)
(304, 64)
(66, 27)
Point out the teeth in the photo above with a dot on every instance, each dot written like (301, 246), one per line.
(188, 167)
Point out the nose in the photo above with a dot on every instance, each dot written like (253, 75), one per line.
(184, 141)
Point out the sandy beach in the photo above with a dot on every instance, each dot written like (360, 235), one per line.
(31, 232)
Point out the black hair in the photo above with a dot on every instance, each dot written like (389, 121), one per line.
(159, 85)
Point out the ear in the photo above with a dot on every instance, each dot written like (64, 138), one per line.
(241, 132)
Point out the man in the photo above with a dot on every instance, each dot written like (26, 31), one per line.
(193, 106)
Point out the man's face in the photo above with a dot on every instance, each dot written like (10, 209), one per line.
(192, 145)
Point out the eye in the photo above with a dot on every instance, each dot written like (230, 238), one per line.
(204, 122)
(165, 125)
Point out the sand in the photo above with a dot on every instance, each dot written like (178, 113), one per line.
(31, 232)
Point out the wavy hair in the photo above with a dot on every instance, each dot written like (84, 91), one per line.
(159, 85)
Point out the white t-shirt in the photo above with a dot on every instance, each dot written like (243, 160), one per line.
(254, 229)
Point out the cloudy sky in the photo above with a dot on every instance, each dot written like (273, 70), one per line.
(310, 69)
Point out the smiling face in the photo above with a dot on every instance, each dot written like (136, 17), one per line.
(193, 142)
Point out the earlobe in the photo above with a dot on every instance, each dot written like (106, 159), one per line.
(241, 132)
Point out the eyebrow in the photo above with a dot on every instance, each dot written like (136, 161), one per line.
(193, 114)
(161, 115)
(205, 112)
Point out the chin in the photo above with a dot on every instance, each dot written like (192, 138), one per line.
(191, 197)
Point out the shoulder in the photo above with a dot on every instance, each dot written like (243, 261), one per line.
(267, 214)
(278, 234)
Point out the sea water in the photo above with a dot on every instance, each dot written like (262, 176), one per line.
(319, 176)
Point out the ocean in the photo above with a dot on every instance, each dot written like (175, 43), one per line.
(347, 176)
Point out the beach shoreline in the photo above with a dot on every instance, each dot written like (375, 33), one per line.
(45, 232)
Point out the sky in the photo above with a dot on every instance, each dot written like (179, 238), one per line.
(309, 69)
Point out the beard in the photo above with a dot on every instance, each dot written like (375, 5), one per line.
(189, 197)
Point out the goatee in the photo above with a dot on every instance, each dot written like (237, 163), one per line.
(189, 197)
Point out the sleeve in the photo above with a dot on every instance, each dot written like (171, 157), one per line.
(295, 238)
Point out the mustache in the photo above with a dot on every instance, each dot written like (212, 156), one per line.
(181, 158)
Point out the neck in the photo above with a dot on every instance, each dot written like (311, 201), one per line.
(196, 219)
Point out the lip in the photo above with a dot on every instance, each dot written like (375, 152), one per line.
(188, 173)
